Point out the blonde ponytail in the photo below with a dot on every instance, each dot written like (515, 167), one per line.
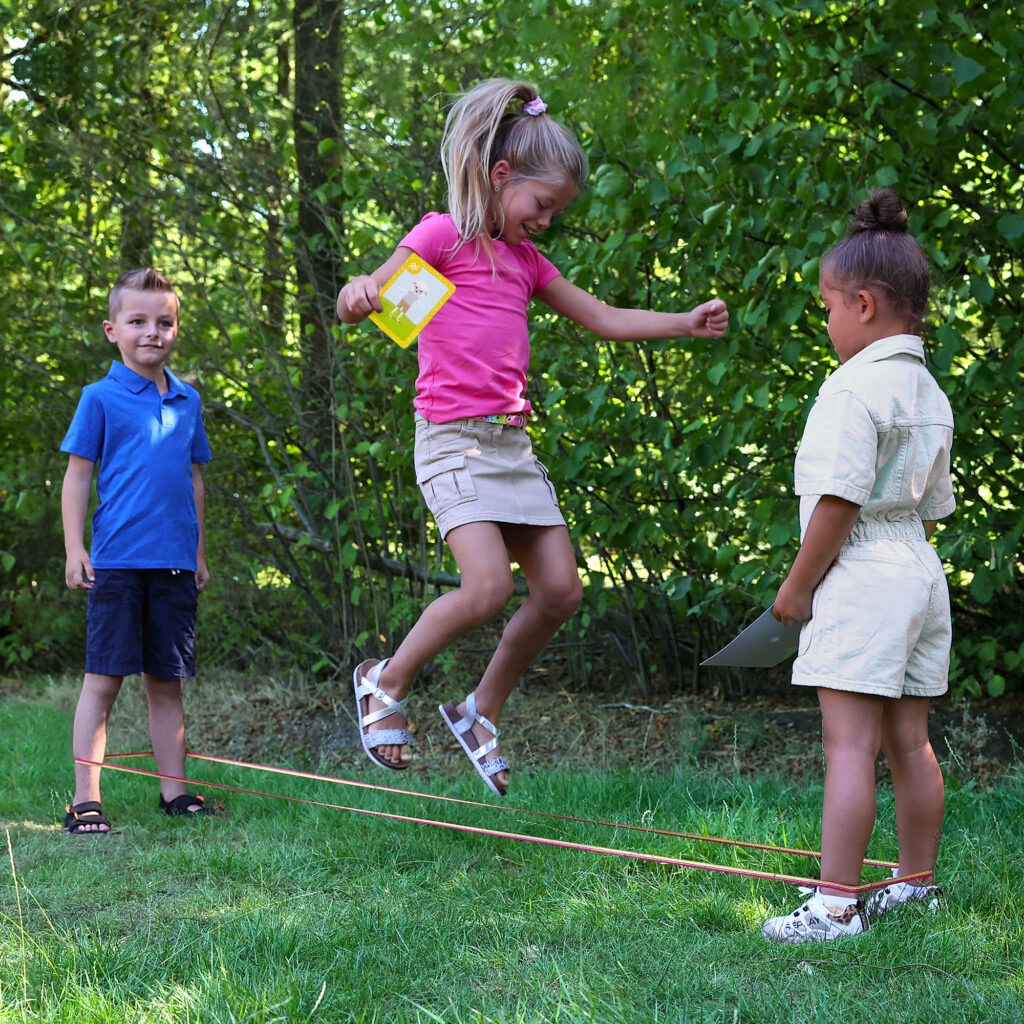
(481, 130)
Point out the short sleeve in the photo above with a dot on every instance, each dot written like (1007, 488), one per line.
(938, 499)
(546, 271)
(434, 238)
(85, 435)
(838, 450)
(200, 445)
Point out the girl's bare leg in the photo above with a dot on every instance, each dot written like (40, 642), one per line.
(486, 587)
(89, 737)
(917, 783)
(546, 556)
(852, 728)
(167, 732)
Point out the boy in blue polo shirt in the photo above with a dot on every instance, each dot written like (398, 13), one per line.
(144, 427)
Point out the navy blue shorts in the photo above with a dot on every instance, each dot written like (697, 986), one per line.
(142, 620)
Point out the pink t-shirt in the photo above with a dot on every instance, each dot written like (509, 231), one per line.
(475, 352)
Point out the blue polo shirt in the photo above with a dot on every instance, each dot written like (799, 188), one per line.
(145, 444)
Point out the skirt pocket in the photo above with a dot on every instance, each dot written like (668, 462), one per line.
(446, 483)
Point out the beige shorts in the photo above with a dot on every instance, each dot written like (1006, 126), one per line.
(880, 622)
(477, 472)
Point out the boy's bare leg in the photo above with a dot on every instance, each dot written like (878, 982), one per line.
(89, 737)
(852, 729)
(917, 783)
(167, 732)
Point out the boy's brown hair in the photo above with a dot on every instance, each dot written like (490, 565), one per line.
(143, 280)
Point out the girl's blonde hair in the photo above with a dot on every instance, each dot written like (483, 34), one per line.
(481, 130)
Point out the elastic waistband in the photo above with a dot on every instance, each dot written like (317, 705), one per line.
(884, 529)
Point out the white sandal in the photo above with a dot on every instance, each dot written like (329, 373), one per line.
(366, 683)
(461, 730)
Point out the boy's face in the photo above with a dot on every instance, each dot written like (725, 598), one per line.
(144, 329)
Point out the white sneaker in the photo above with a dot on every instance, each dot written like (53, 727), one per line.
(820, 919)
(900, 893)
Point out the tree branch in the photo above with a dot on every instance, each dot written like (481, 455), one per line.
(381, 563)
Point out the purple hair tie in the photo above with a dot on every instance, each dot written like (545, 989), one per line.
(535, 107)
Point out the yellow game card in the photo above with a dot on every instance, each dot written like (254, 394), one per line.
(415, 293)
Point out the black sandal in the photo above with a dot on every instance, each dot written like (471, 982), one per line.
(183, 805)
(75, 823)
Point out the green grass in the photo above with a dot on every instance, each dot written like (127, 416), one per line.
(288, 912)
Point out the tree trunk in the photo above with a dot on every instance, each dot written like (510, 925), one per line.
(317, 119)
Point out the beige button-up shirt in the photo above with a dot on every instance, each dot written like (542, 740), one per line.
(879, 434)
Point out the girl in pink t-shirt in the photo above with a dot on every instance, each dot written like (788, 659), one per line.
(509, 172)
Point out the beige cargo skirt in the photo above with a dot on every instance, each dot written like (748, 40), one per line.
(472, 471)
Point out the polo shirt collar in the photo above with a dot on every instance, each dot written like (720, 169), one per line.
(136, 383)
(886, 348)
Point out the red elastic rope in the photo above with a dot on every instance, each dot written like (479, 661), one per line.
(505, 807)
(655, 858)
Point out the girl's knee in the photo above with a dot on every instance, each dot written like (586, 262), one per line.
(487, 595)
(841, 747)
(562, 600)
(908, 751)
(573, 595)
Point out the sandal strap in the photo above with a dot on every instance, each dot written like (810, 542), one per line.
(495, 765)
(87, 806)
(180, 805)
(367, 687)
(466, 722)
(80, 816)
(388, 737)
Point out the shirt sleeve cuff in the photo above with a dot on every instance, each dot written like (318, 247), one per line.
(837, 488)
(947, 508)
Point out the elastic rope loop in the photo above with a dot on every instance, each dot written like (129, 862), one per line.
(564, 844)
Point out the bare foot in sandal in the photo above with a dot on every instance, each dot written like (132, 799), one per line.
(86, 819)
(382, 719)
(478, 737)
(186, 805)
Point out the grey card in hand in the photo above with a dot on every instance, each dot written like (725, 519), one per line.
(764, 643)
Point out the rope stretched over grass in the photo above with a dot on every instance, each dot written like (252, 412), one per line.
(564, 844)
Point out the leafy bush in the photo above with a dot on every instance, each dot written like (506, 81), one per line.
(728, 141)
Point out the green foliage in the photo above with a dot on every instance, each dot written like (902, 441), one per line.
(728, 142)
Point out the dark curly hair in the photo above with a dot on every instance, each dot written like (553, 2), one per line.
(879, 252)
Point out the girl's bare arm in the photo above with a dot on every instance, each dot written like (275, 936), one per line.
(830, 525)
(708, 320)
(361, 296)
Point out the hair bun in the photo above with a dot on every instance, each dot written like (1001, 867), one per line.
(881, 211)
